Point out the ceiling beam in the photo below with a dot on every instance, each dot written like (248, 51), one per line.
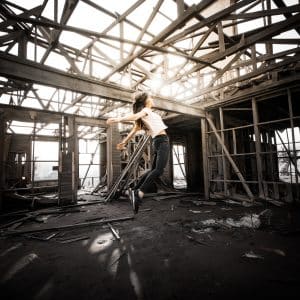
(207, 21)
(281, 4)
(89, 33)
(14, 67)
(186, 16)
(13, 22)
(254, 91)
(248, 76)
(27, 114)
(265, 13)
(245, 42)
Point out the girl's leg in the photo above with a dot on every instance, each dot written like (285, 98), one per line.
(145, 175)
(162, 156)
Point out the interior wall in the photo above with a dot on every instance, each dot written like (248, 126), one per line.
(262, 139)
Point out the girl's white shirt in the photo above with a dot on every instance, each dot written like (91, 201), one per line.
(153, 122)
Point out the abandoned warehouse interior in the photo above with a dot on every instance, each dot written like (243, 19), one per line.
(224, 218)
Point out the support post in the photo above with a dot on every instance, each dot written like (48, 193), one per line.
(205, 158)
(33, 157)
(291, 114)
(273, 168)
(68, 162)
(73, 141)
(103, 158)
(234, 141)
(257, 148)
(2, 160)
(113, 155)
(223, 158)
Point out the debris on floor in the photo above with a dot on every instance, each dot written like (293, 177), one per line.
(75, 239)
(114, 231)
(201, 203)
(244, 241)
(265, 217)
(48, 237)
(205, 230)
(249, 221)
(199, 211)
(63, 227)
(276, 251)
(252, 255)
(196, 240)
(145, 209)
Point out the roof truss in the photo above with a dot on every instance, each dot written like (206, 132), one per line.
(201, 53)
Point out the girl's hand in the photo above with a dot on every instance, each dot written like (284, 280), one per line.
(112, 120)
(121, 146)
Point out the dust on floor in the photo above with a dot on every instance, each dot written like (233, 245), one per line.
(174, 248)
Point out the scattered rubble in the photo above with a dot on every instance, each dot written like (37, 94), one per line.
(114, 231)
(199, 211)
(200, 203)
(75, 239)
(252, 255)
(249, 221)
(201, 231)
(276, 251)
(195, 240)
(63, 227)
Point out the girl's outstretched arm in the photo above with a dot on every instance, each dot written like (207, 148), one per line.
(131, 117)
(122, 145)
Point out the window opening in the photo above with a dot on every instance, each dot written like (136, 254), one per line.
(179, 169)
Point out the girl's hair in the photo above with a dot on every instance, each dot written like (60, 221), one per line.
(138, 105)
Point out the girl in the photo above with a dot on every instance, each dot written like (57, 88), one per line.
(146, 119)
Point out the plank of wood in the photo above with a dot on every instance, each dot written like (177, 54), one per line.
(70, 226)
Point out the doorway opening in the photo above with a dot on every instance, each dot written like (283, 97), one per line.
(179, 169)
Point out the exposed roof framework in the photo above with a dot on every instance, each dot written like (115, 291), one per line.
(87, 57)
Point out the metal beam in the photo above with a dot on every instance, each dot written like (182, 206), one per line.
(13, 67)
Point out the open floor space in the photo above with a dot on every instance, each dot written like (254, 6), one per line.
(176, 247)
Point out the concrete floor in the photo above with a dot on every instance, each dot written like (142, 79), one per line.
(164, 253)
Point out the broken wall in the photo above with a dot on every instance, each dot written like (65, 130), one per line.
(257, 153)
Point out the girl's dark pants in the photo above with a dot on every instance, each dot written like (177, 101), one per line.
(161, 149)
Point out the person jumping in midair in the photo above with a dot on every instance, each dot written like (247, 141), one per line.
(152, 123)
